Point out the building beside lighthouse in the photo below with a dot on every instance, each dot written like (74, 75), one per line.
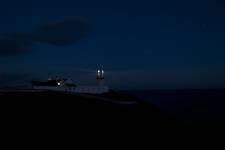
(67, 85)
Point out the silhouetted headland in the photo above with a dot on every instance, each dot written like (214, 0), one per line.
(112, 108)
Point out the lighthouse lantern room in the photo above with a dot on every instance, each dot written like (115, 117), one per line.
(100, 77)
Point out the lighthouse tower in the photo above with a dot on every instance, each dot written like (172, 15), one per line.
(100, 77)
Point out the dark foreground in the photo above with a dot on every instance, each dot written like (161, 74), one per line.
(52, 118)
(56, 112)
(65, 111)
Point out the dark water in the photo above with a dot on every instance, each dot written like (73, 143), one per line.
(188, 105)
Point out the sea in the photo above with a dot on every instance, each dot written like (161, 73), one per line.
(189, 105)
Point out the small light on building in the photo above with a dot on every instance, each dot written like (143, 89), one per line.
(59, 83)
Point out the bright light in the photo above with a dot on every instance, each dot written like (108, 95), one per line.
(98, 71)
(102, 71)
(59, 83)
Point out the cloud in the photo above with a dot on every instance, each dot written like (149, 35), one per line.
(10, 46)
(16, 8)
(10, 78)
(62, 33)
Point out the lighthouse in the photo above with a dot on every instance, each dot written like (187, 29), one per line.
(100, 77)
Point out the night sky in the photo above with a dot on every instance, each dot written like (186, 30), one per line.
(141, 44)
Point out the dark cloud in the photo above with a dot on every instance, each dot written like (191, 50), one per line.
(61, 33)
(64, 32)
(16, 8)
(20, 36)
(13, 46)
(10, 78)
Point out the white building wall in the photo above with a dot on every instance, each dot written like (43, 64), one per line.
(92, 89)
(78, 89)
